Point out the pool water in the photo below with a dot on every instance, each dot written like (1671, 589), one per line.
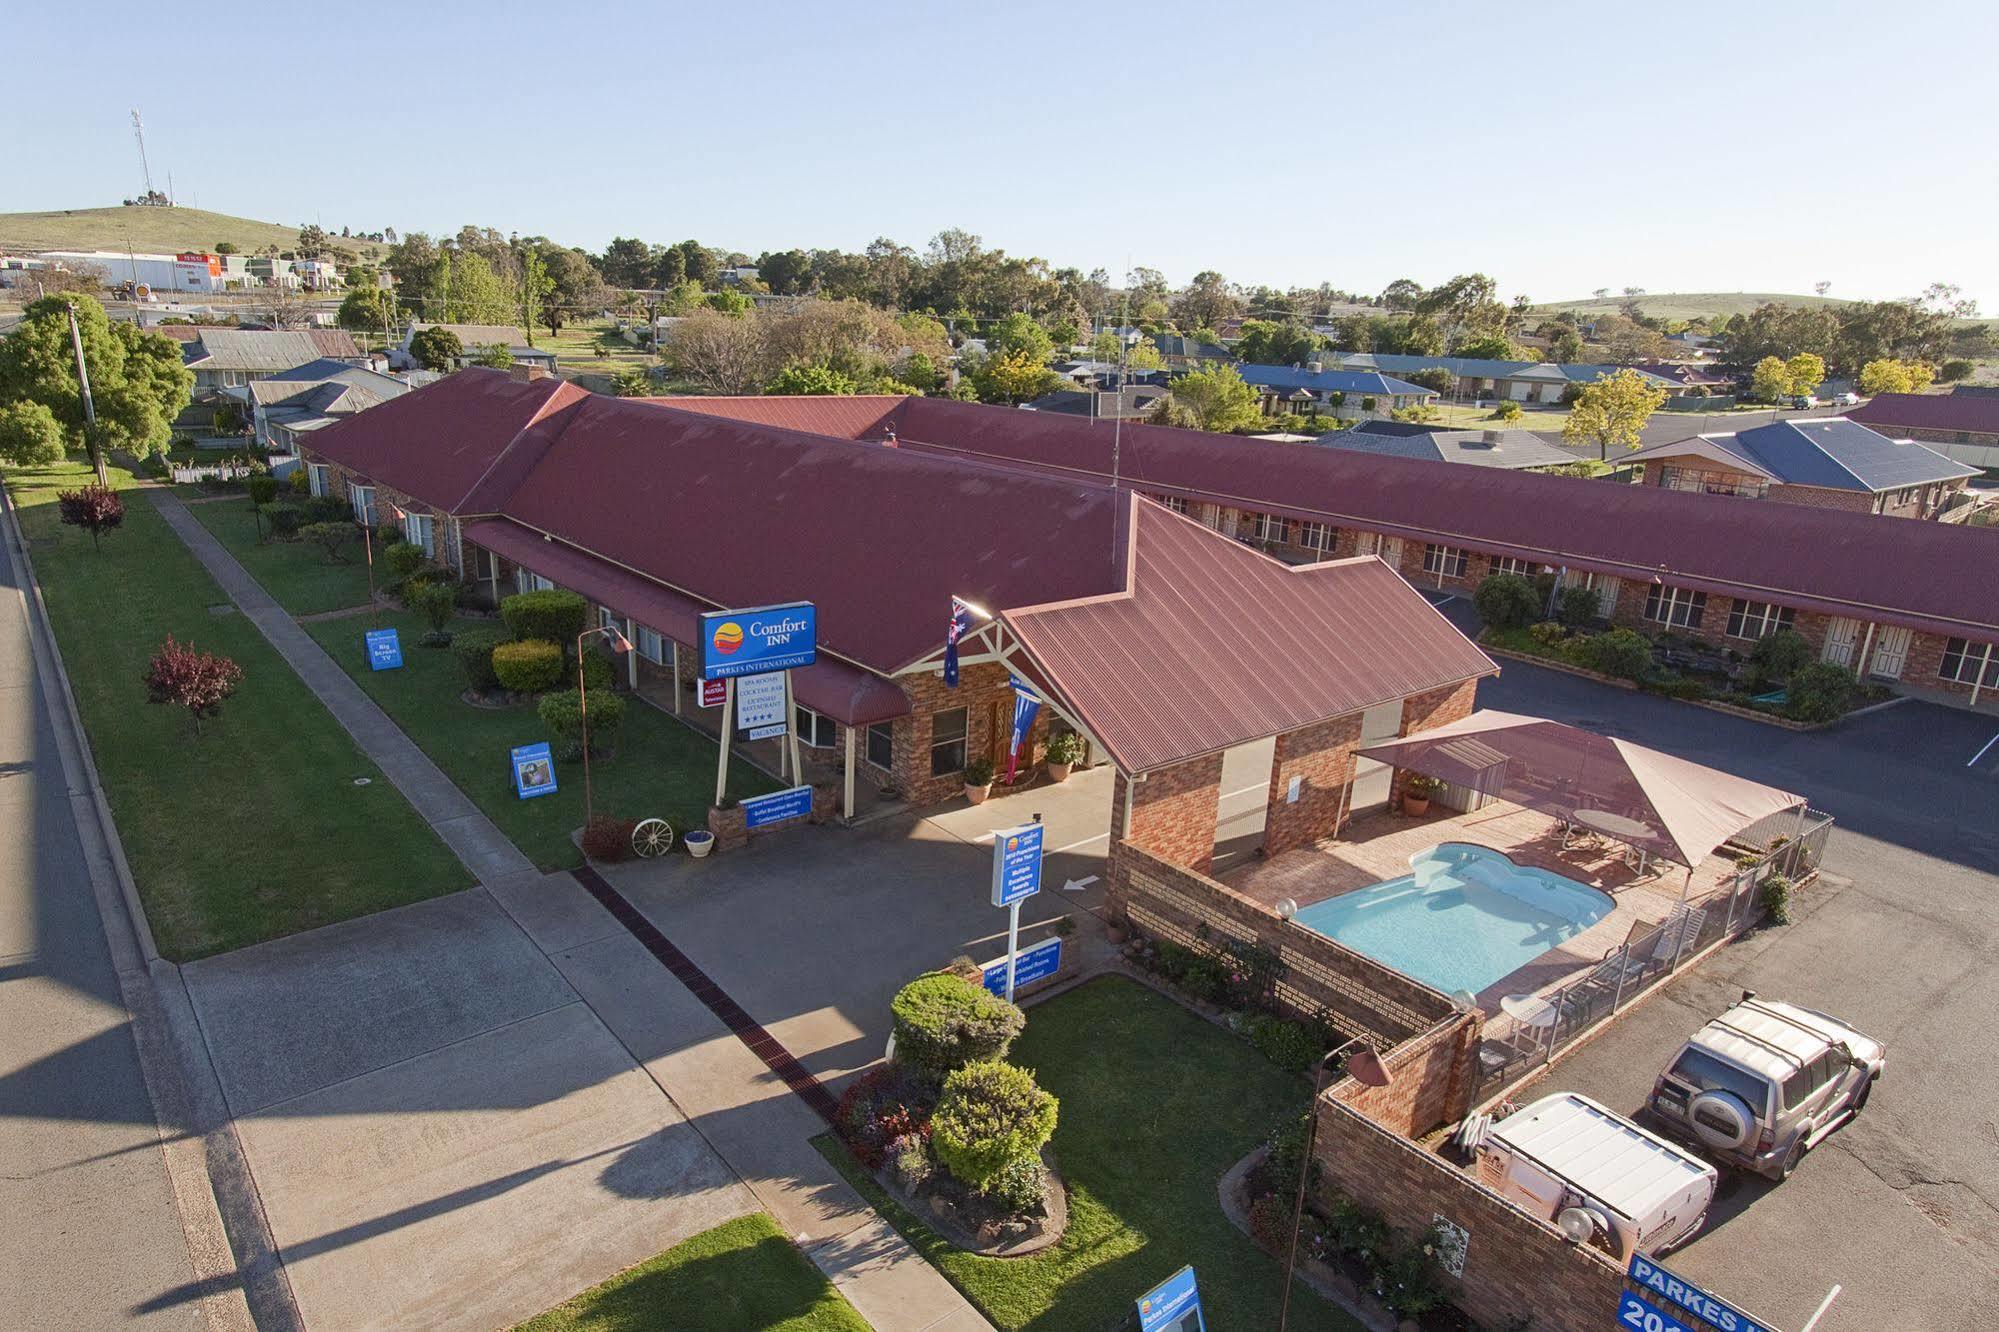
(1464, 917)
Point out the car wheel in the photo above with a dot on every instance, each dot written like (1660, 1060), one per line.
(1866, 1090)
(1791, 1158)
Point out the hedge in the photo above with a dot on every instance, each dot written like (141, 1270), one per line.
(403, 559)
(1506, 601)
(943, 1022)
(990, 1116)
(550, 614)
(562, 714)
(528, 667)
(474, 650)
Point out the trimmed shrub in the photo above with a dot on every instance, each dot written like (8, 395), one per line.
(403, 560)
(1777, 657)
(435, 601)
(1065, 747)
(1293, 1046)
(331, 536)
(1955, 369)
(263, 490)
(327, 509)
(1548, 633)
(550, 614)
(284, 519)
(301, 481)
(1774, 894)
(1506, 601)
(608, 839)
(528, 667)
(1820, 692)
(474, 650)
(597, 671)
(1685, 687)
(990, 1116)
(1508, 410)
(1576, 606)
(562, 713)
(1017, 1189)
(1625, 653)
(943, 1022)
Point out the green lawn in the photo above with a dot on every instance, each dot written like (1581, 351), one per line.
(661, 769)
(1463, 416)
(297, 573)
(1156, 1105)
(254, 829)
(742, 1276)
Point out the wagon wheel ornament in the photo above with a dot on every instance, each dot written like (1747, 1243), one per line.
(653, 837)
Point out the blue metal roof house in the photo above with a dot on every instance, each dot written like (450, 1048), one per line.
(1520, 381)
(1289, 388)
(1830, 463)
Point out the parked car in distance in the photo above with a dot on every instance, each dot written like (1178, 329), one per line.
(1847, 399)
(1764, 1083)
(1803, 401)
(1599, 1177)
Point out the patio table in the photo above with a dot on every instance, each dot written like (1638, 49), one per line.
(1529, 1010)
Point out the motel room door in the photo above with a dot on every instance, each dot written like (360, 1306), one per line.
(1371, 776)
(1841, 634)
(1891, 653)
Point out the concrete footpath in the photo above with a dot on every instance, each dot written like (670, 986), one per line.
(715, 1084)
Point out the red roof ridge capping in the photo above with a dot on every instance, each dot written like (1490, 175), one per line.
(849, 416)
(1197, 654)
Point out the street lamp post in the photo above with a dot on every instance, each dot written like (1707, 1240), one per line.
(1365, 1066)
(619, 644)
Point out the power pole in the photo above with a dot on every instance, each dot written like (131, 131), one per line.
(89, 407)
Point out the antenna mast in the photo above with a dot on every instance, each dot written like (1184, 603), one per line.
(139, 132)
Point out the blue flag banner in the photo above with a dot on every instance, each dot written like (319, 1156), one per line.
(1026, 705)
(961, 624)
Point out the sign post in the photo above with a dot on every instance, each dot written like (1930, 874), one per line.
(761, 640)
(1696, 1310)
(1174, 1305)
(1016, 876)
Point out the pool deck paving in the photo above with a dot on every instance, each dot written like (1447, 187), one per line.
(1378, 846)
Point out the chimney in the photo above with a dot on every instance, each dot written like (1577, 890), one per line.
(522, 373)
(1494, 436)
(889, 440)
(1315, 366)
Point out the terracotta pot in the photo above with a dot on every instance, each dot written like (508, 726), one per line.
(977, 794)
(1116, 933)
(1415, 805)
(1059, 772)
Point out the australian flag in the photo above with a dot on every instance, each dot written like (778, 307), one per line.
(961, 624)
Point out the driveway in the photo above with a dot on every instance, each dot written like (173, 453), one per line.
(442, 1132)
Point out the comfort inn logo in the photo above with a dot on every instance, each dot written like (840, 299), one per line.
(1013, 843)
(728, 637)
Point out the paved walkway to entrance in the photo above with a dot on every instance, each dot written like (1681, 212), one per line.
(513, 1040)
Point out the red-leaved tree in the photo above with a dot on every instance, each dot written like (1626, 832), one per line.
(96, 508)
(198, 681)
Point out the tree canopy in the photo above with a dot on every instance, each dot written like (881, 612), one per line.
(1613, 410)
(1215, 398)
(137, 382)
(436, 348)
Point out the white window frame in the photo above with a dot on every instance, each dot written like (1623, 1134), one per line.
(526, 580)
(317, 479)
(651, 645)
(1973, 659)
(1675, 607)
(1506, 564)
(1444, 561)
(1177, 503)
(362, 498)
(887, 729)
(1315, 536)
(1273, 529)
(420, 529)
(1757, 620)
(815, 729)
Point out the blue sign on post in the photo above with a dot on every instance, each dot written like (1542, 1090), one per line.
(763, 638)
(794, 803)
(1016, 863)
(385, 650)
(534, 771)
(1716, 1313)
(1030, 964)
(1174, 1305)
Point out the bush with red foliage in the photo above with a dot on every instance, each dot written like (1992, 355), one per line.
(879, 1108)
(94, 508)
(183, 675)
(608, 839)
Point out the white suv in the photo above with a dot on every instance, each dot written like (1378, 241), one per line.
(1764, 1083)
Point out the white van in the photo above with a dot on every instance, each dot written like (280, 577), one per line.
(1597, 1175)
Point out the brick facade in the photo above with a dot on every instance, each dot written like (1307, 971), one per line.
(1173, 812)
(1321, 759)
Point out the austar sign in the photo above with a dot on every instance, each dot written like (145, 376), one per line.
(760, 639)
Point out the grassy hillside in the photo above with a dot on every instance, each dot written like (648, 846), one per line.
(1690, 304)
(148, 230)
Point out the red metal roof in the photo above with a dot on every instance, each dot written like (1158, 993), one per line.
(858, 417)
(1929, 411)
(1214, 644)
(1930, 576)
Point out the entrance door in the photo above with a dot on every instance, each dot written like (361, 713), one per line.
(1606, 586)
(1370, 776)
(1391, 552)
(1891, 654)
(1840, 636)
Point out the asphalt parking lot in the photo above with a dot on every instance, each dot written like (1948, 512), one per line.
(1901, 1207)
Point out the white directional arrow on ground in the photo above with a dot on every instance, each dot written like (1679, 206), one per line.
(1078, 885)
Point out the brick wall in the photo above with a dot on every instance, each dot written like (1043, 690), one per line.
(986, 696)
(1433, 1078)
(1820, 497)
(1321, 758)
(1173, 812)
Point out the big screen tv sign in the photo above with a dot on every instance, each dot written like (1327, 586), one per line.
(760, 639)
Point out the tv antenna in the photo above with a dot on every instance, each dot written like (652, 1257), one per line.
(139, 133)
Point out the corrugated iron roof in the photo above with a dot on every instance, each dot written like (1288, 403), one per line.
(858, 417)
(1833, 453)
(264, 349)
(1213, 644)
(1972, 412)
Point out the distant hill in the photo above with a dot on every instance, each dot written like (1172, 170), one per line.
(1689, 304)
(152, 230)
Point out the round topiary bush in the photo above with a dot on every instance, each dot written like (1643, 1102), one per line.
(562, 714)
(403, 559)
(990, 1116)
(1576, 605)
(1624, 653)
(549, 613)
(1820, 692)
(1777, 657)
(263, 490)
(474, 650)
(528, 667)
(943, 1022)
(1506, 601)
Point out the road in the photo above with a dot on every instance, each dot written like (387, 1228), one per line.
(92, 1229)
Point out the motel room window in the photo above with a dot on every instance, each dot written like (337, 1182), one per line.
(1757, 619)
(1271, 528)
(651, 646)
(532, 582)
(363, 500)
(1963, 659)
(1675, 606)
(881, 745)
(1177, 503)
(315, 476)
(1444, 561)
(1315, 536)
(814, 730)
(947, 741)
(1506, 564)
(421, 529)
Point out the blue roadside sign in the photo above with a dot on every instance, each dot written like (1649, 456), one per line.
(1016, 863)
(385, 650)
(1664, 1284)
(762, 638)
(1030, 964)
(1174, 1305)
(793, 803)
(1634, 1313)
(534, 771)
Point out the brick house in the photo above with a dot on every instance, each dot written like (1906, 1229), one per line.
(1834, 463)
(1963, 424)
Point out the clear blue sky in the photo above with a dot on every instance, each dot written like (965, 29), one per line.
(1747, 146)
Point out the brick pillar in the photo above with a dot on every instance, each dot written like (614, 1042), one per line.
(1174, 814)
(1321, 758)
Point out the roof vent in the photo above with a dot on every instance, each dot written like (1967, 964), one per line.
(1316, 367)
(1494, 436)
(888, 441)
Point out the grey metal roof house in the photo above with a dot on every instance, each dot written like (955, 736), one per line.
(1515, 450)
(308, 397)
(1520, 381)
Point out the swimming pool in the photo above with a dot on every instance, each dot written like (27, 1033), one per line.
(1463, 918)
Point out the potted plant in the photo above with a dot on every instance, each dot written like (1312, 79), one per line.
(978, 781)
(1064, 748)
(699, 842)
(1416, 792)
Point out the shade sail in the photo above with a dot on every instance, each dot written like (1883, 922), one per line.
(1662, 805)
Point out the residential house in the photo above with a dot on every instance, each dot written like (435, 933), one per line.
(1101, 403)
(1828, 463)
(1541, 382)
(224, 358)
(293, 403)
(472, 337)
(1514, 450)
(1311, 390)
(1963, 424)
